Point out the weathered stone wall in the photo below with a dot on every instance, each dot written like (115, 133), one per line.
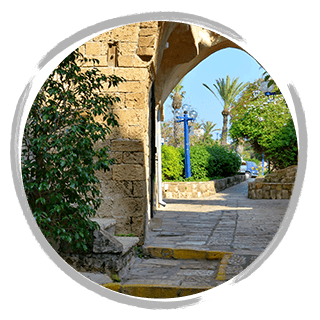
(199, 189)
(126, 52)
(259, 190)
(143, 53)
(278, 185)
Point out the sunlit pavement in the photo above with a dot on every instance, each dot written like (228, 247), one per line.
(228, 222)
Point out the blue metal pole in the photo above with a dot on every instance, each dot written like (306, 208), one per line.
(187, 163)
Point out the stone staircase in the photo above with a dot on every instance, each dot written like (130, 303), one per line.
(110, 254)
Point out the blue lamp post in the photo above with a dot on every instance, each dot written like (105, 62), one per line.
(267, 90)
(185, 115)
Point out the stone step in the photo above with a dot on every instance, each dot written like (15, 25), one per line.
(105, 240)
(106, 224)
(110, 254)
(128, 243)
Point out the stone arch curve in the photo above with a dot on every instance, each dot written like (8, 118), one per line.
(180, 48)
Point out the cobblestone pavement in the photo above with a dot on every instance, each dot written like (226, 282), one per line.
(227, 221)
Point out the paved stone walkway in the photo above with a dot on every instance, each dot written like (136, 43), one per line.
(228, 222)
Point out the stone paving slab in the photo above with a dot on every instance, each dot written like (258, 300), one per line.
(183, 273)
(196, 244)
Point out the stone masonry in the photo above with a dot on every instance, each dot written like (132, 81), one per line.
(198, 189)
(278, 185)
(150, 54)
(124, 187)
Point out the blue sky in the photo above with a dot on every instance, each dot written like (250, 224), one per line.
(232, 62)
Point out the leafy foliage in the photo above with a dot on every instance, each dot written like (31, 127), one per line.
(228, 91)
(208, 161)
(199, 159)
(59, 157)
(208, 128)
(267, 126)
(223, 161)
(171, 163)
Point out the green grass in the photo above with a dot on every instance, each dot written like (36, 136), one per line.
(125, 235)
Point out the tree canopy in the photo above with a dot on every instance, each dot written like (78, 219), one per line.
(228, 91)
(267, 126)
(59, 154)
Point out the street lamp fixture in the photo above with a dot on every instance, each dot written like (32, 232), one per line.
(267, 90)
(185, 114)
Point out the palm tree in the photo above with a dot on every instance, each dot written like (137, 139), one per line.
(208, 128)
(228, 92)
(176, 95)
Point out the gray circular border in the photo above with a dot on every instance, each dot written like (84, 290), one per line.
(16, 174)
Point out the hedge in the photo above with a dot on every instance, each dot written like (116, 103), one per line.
(207, 161)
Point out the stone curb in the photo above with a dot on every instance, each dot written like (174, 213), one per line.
(184, 254)
(221, 275)
(154, 290)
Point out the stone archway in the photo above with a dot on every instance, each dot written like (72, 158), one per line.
(181, 47)
(159, 52)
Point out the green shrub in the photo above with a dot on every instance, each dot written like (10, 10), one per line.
(211, 161)
(171, 163)
(222, 162)
(199, 159)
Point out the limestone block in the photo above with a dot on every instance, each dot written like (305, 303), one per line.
(182, 187)
(203, 188)
(258, 186)
(133, 157)
(137, 227)
(93, 48)
(147, 41)
(285, 194)
(127, 48)
(266, 187)
(148, 31)
(129, 86)
(266, 194)
(167, 195)
(106, 208)
(136, 100)
(128, 33)
(123, 225)
(149, 24)
(136, 132)
(145, 52)
(132, 117)
(102, 176)
(107, 71)
(126, 61)
(132, 74)
(273, 194)
(128, 172)
(139, 189)
(129, 207)
(259, 194)
(126, 145)
(116, 155)
(117, 189)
